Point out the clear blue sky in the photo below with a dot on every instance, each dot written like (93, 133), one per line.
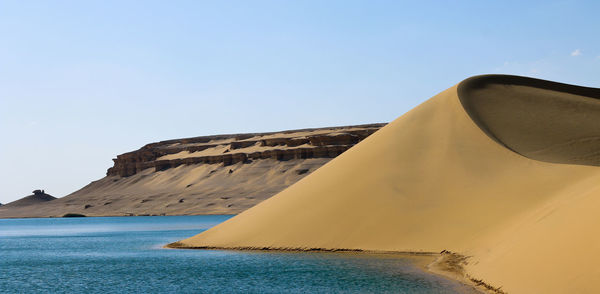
(84, 81)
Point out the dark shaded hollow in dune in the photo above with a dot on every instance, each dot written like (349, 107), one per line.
(541, 120)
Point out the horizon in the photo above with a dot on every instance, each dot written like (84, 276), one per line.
(81, 83)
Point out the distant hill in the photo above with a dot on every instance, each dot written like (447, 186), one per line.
(38, 196)
(219, 174)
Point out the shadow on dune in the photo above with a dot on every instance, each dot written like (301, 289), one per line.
(538, 119)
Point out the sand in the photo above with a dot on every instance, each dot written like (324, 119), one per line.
(184, 190)
(502, 170)
(220, 149)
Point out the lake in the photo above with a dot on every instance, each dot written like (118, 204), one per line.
(125, 255)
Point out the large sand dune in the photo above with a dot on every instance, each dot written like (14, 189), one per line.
(502, 169)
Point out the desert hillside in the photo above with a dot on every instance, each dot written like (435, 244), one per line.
(222, 174)
(502, 170)
(38, 197)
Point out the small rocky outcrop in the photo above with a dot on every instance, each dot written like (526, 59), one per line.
(73, 215)
(39, 196)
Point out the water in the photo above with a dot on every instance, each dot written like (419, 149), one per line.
(125, 255)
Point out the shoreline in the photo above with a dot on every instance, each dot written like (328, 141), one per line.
(91, 216)
(450, 265)
(446, 264)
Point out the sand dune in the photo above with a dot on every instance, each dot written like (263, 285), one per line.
(502, 169)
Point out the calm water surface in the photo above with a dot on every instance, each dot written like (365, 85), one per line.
(124, 255)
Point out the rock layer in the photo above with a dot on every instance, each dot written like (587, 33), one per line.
(299, 144)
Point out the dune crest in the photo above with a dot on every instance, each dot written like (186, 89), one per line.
(499, 168)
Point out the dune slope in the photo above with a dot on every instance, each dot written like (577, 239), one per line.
(499, 168)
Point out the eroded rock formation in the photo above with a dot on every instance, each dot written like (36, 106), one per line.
(231, 149)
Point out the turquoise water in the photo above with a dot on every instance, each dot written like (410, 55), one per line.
(125, 255)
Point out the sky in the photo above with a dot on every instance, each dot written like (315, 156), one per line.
(84, 81)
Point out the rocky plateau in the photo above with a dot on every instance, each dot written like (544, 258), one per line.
(220, 174)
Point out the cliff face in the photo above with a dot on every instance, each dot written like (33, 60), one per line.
(244, 148)
(222, 174)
